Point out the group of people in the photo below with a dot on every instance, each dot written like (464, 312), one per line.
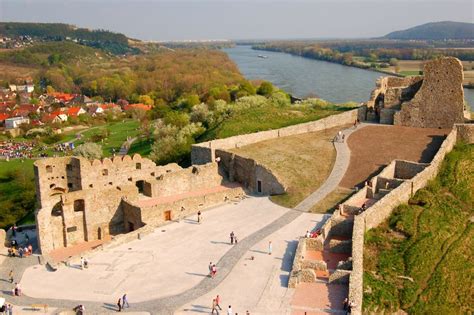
(16, 150)
(347, 306)
(233, 238)
(312, 234)
(6, 309)
(216, 307)
(122, 301)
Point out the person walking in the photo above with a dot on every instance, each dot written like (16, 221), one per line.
(119, 304)
(232, 238)
(10, 276)
(199, 217)
(210, 269)
(229, 310)
(214, 304)
(214, 271)
(82, 263)
(218, 302)
(125, 300)
(269, 247)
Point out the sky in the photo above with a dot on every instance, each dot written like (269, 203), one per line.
(162, 20)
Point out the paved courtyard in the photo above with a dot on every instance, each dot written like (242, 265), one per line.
(260, 285)
(171, 260)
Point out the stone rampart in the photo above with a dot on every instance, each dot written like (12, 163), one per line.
(204, 152)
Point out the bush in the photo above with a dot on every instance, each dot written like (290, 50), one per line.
(265, 89)
(89, 151)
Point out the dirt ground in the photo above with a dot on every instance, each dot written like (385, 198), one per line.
(373, 147)
(302, 162)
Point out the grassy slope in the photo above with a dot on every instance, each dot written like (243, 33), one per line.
(431, 240)
(265, 118)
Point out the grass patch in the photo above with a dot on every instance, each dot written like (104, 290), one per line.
(114, 135)
(410, 73)
(301, 162)
(334, 198)
(267, 118)
(141, 146)
(431, 241)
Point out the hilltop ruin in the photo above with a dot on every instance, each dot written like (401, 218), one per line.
(434, 100)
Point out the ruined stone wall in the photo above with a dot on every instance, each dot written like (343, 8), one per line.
(249, 173)
(204, 152)
(465, 132)
(186, 180)
(440, 101)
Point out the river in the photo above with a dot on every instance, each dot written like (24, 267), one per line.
(303, 76)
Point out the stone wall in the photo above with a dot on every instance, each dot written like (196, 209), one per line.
(440, 101)
(465, 132)
(253, 176)
(204, 152)
(82, 200)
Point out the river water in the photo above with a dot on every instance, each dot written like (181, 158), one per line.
(303, 76)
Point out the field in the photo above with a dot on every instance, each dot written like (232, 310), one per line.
(301, 162)
(422, 257)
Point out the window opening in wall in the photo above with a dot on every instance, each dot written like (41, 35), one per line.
(91, 186)
(130, 179)
(140, 185)
(57, 210)
(71, 229)
(49, 168)
(69, 185)
(138, 166)
(167, 215)
(105, 172)
(99, 233)
(79, 205)
(52, 186)
(259, 186)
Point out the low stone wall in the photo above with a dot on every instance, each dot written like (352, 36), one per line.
(203, 153)
(465, 132)
(253, 176)
(297, 263)
(383, 208)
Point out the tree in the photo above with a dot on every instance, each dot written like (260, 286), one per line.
(88, 150)
(146, 99)
(265, 89)
(393, 62)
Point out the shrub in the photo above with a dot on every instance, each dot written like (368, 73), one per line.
(88, 150)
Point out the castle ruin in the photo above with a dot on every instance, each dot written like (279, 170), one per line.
(81, 200)
(434, 100)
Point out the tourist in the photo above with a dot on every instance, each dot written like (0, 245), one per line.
(10, 309)
(235, 239)
(218, 302)
(345, 304)
(30, 249)
(308, 235)
(339, 136)
(86, 263)
(213, 271)
(232, 238)
(199, 217)
(247, 313)
(229, 310)
(125, 300)
(210, 269)
(343, 137)
(80, 309)
(119, 304)
(10, 276)
(17, 290)
(82, 262)
(269, 247)
(214, 304)
(20, 252)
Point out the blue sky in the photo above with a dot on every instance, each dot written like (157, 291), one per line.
(240, 19)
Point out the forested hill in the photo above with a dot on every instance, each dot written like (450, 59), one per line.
(115, 43)
(436, 31)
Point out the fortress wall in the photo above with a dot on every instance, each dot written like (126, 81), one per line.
(407, 169)
(249, 173)
(381, 210)
(465, 132)
(186, 180)
(204, 152)
(297, 263)
(156, 215)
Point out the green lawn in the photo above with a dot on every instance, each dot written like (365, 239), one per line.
(17, 191)
(408, 73)
(421, 260)
(140, 146)
(117, 135)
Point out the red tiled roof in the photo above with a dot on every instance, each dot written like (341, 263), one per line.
(3, 116)
(137, 106)
(73, 111)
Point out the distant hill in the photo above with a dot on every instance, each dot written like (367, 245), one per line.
(115, 43)
(436, 31)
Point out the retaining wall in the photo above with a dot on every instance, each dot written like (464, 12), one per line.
(203, 153)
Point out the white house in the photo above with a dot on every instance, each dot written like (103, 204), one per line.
(15, 122)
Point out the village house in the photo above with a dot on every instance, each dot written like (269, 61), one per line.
(15, 122)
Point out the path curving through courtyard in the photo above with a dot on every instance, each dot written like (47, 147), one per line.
(168, 304)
